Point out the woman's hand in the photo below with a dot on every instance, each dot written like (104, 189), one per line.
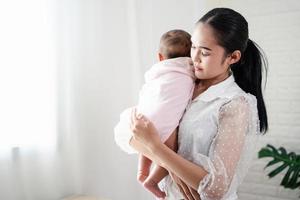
(187, 192)
(144, 130)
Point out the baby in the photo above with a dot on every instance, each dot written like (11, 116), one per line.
(167, 91)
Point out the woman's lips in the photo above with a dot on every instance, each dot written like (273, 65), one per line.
(198, 68)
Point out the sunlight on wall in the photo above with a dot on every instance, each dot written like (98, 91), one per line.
(27, 75)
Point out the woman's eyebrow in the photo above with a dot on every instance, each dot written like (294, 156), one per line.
(205, 48)
(202, 47)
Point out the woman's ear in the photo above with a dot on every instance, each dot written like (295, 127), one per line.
(235, 57)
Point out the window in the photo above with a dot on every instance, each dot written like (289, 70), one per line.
(27, 74)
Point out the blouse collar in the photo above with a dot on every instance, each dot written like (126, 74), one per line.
(219, 90)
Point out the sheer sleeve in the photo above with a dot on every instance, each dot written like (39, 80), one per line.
(237, 121)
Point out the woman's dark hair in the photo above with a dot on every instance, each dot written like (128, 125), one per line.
(231, 32)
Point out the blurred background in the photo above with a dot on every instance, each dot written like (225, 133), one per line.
(69, 67)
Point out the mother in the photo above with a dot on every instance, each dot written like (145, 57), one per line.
(217, 133)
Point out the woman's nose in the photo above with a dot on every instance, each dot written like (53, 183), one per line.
(197, 56)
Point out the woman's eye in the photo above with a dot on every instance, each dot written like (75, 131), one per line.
(193, 47)
(204, 53)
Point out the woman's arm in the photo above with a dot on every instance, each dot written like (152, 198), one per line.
(158, 152)
(189, 172)
(187, 191)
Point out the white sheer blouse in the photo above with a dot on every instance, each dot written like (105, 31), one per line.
(218, 132)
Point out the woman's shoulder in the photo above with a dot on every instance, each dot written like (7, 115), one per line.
(243, 101)
(236, 95)
(241, 105)
(243, 98)
(237, 98)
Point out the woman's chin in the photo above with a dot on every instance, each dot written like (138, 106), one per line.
(199, 75)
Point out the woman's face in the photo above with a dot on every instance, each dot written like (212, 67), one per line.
(210, 61)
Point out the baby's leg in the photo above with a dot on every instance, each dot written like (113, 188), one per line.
(151, 183)
(143, 168)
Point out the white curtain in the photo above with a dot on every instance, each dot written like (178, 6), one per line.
(38, 154)
(99, 51)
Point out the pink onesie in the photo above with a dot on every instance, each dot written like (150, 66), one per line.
(168, 88)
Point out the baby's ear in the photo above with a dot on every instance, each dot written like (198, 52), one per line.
(160, 57)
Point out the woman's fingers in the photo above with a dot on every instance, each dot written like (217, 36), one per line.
(132, 116)
(132, 119)
(137, 121)
(138, 118)
(138, 115)
(194, 193)
(182, 187)
(182, 192)
(177, 181)
(136, 126)
(186, 191)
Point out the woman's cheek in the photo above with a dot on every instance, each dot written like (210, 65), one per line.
(193, 56)
(205, 63)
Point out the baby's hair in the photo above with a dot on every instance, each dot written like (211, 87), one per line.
(175, 43)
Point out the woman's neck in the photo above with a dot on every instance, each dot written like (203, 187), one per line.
(204, 84)
(209, 82)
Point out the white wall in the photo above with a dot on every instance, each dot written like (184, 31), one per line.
(275, 26)
(117, 41)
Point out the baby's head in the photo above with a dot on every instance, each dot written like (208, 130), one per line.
(173, 44)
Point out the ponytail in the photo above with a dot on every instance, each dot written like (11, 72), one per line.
(248, 75)
(231, 32)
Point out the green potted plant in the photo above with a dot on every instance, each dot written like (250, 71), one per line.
(284, 160)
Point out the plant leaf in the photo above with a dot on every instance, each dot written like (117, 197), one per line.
(272, 162)
(293, 181)
(291, 161)
(277, 170)
(265, 152)
(285, 179)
